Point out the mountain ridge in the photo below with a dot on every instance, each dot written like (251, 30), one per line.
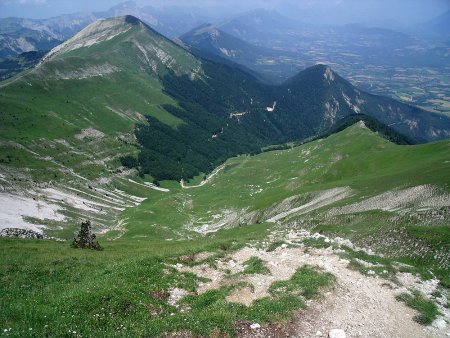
(200, 112)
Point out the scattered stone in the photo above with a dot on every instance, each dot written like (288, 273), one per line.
(89, 133)
(255, 326)
(231, 263)
(336, 333)
(175, 295)
(21, 233)
(439, 324)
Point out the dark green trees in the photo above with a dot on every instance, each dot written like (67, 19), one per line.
(86, 239)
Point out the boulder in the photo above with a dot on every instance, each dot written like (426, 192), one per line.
(336, 333)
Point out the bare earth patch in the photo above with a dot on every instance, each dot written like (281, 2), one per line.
(362, 306)
(90, 133)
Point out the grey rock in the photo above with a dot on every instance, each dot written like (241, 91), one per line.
(336, 333)
(439, 324)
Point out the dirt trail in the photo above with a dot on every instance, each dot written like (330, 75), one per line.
(202, 183)
(362, 306)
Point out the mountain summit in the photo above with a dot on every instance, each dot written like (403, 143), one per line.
(123, 43)
(100, 31)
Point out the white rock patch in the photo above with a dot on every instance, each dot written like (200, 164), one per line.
(14, 209)
(89, 133)
(323, 198)
(420, 196)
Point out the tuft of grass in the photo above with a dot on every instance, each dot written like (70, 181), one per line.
(306, 281)
(380, 266)
(428, 310)
(268, 309)
(274, 245)
(318, 243)
(255, 265)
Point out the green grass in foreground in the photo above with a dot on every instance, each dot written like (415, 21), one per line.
(428, 311)
(50, 289)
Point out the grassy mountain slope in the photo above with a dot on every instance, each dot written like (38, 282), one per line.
(119, 90)
(356, 158)
(86, 88)
(354, 184)
(70, 119)
(327, 185)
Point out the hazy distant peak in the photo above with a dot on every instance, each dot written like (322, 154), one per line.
(207, 27)
(124, 5)
(262, 11)
(322, 69)
(261, 15)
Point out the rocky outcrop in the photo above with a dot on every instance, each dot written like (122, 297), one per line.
(21, 233)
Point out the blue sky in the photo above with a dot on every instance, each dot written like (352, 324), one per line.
(415, 10)
(49, 8)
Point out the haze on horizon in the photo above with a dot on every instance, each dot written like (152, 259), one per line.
(389, 13)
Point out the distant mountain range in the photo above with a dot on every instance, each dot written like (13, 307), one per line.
(18, 35)
(207, 41)
(276, 47)
(437, 28)
(121, 79)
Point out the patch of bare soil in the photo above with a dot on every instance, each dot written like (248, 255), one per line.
(360, 305)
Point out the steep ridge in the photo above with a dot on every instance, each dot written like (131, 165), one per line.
(305, 106)
(371, 123)
(323, 87)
